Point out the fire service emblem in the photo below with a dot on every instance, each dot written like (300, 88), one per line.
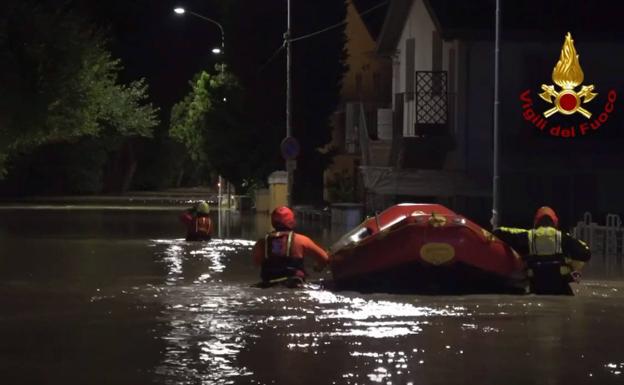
(568, 75)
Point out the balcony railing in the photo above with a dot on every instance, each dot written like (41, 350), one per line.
(431, 101)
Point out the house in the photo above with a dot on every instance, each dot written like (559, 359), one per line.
(366, 83)
(442, 56)
(439, 149)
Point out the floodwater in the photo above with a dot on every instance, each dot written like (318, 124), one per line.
(115, 296)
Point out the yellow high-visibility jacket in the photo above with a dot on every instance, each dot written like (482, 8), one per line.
(545, 243)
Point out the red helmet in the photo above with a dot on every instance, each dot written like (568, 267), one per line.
(546, 211)
(283, 218)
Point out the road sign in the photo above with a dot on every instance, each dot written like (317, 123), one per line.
(291, 165)
(290, 148)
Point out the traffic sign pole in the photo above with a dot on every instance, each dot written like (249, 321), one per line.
(290, 150)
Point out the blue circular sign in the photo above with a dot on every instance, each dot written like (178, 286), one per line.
(290, 148)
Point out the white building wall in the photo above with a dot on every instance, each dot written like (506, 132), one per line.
(524, 65)
(419, 26)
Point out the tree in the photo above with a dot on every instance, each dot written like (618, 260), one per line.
(209, 122)
(189, 116)
(60, 83)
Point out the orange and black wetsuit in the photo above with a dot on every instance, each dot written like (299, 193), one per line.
(280, 255)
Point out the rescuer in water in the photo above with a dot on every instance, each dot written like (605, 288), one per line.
(553, 258)
(280, 254)
(197, 221)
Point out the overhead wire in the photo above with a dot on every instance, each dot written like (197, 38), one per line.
(337, 24)
(317, 33)
(272, 57)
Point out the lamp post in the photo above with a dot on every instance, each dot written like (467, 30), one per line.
(219, 199)
(217, 51)
(289, 163)
(496, 177)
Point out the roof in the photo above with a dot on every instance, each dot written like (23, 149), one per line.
(374, 19)
(396, 17)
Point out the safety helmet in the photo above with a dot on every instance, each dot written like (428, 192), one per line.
(283, 218)
(545, 211)
(202, 207)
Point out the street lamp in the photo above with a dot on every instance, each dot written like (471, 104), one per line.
(216, 50)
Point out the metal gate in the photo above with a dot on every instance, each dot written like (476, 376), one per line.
(606, 243)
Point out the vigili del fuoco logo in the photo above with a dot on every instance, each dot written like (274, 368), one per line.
(568, 75)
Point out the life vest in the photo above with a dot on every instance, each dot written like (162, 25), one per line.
(547, 266)
(544, 241)
(200, 229)
(279, 263)
(203, 225)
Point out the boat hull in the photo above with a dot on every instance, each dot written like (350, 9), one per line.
(425, 252)
(418, 278)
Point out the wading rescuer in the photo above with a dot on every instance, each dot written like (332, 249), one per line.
(553, 258)
(281, 252)
(197, 221)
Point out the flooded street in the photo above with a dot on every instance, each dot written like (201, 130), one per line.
(94, 296)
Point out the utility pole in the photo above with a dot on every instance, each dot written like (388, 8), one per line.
(496, 177)
(219, 206)
(289, 170)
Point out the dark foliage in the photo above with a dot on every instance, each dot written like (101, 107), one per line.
(59, 92)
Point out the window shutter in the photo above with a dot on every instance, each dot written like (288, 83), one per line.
(410, 52)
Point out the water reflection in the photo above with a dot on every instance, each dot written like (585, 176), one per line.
(205, 330)
(205, 337)
(122, 288)
(324, 321)
(375, 319)
(403, 339)
(615, 369)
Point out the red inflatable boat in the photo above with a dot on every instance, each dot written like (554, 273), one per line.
(424, 248)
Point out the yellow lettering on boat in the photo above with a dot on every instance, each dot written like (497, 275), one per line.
(437, 253)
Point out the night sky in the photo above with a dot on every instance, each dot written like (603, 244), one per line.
(168, 49)
(155, 43)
